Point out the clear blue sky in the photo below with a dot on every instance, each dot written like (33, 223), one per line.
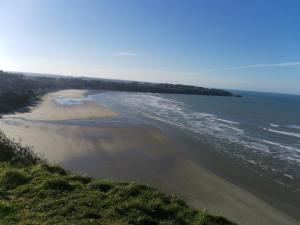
(235, 44)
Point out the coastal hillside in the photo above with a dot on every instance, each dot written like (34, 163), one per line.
(11, 101)
(41, 83)
(34, 192)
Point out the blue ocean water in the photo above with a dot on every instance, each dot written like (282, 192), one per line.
(260, 130)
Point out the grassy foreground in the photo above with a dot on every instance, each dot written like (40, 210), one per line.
(34, 192)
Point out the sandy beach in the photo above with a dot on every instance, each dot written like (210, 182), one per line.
(139, 153)
(50, 110)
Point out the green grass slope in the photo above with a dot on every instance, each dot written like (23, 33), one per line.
(34, 192)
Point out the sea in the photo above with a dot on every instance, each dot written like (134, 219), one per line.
(259, 132)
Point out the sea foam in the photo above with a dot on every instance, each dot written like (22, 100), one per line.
(283, 132)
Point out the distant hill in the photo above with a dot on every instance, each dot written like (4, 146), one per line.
(46, 82)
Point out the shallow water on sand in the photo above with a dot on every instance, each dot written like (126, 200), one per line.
(258, 134)
(260, 131)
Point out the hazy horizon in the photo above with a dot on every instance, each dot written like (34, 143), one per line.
(27, 73)
(238, 45)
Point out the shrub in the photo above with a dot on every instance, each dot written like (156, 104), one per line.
(81, 178)
(130, 190)
(213, 220)
(11, 151)
(54, 169)
(13, 178)
(101, 185)
(5, 209)
(58, 184)
(145, 220)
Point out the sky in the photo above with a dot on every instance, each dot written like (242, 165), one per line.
(230, 44)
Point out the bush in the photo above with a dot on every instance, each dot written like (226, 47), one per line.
(81, 178)
(144, 220)
(131, 190)
(11, 151)
(13, 178)
(206, 219)
(5, 209)
(58, 184)
(215, 220)
(54, 169)
(101, 185)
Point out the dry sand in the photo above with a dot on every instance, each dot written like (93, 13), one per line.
(50, 110)
(136, 153)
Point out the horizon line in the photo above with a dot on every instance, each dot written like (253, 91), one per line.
(81, 76)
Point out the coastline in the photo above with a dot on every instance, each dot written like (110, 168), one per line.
(224, 167)
(147, 155)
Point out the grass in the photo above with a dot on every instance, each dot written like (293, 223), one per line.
(34, 192)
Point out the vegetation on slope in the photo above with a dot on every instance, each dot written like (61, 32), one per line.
(11, 100)
(34, 192)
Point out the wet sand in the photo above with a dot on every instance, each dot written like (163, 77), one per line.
(139, 153)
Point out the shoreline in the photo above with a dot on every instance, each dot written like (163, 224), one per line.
(149, 156)
(228, 170)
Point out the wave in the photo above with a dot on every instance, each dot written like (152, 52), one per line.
(178, 113)
(288, 175)
(283, 132)
(280, 145)
(235, 138)
(233, 128)
(202, 123)
(256, 146)
(295, 127)
(274, 125)
(228, 121)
